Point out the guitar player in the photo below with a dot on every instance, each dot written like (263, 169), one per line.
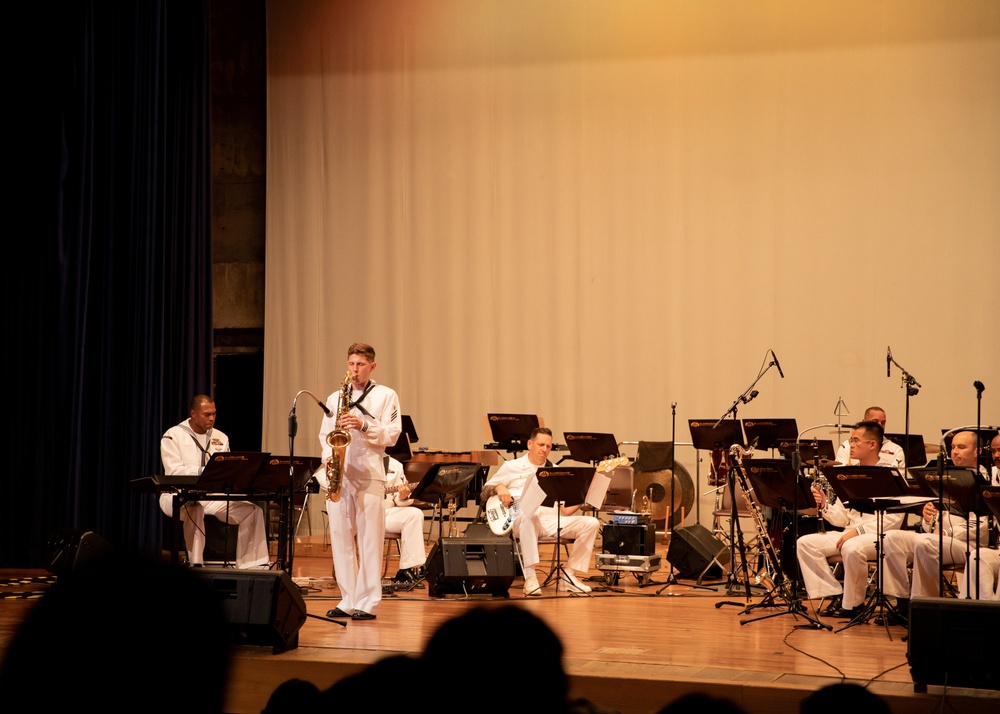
(402, 518)
(507, 484)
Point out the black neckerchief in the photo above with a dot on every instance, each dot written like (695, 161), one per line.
(357, 402)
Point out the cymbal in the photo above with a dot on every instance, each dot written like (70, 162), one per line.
(822, 462)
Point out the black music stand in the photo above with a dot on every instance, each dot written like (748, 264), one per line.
(511, 432)
(809, 450)
(878, 490)
(707, 435)
(442, 482)
(569, 485)
(953, 488)
(226, 473)
(273, 480)
(590, 447)
(914, 450)
(770, 432)
(776, 484)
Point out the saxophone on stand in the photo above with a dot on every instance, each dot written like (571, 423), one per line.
(338, 440)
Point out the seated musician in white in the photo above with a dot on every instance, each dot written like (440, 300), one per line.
(855, 543)
(891, 453)
(921, 547)
(401, 517)
(184, 450)
(508, 484)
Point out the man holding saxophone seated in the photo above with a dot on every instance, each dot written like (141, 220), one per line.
(856, 543)
(364, 419)
(509, 482)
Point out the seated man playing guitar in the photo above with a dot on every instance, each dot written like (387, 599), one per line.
(507, 485)
(403, 518)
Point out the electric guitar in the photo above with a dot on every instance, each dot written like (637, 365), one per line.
(501, 518)
(400, 487)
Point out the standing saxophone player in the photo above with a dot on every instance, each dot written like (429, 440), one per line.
(372, 419)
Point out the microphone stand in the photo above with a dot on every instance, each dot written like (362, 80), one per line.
(748, 395)
(286, 531)
(912, 387)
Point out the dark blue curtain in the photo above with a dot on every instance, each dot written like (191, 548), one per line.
(108, 305)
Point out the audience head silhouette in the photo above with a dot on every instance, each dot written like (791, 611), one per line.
(845, 697)
(122, 633)
(699, 703)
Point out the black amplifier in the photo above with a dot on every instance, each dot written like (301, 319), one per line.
(620, 539)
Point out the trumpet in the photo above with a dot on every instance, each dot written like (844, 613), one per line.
(338, 440)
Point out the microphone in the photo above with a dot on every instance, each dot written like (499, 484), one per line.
(980, 387)
(777, 365)
(323, 406)
(888, 361)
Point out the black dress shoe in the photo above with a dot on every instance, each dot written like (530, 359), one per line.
(362, 615)
(842, 614)
(336, 614)
(832, 608)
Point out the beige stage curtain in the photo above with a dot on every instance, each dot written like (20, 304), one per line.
(592, 209)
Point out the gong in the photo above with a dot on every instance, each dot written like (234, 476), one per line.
(666, 491)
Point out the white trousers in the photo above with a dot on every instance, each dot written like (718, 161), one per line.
(409, 523)
(251, 538)
(358, 517)
(926, 574)
(813, 551)
(582, 529)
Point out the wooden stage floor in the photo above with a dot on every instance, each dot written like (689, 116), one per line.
(630, 650)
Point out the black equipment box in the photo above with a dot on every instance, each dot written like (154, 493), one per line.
(620, 539)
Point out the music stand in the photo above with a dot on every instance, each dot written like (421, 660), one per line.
(914, 450)
(708, 435)
(272, 481)
(776, 485)
(873, 489)
(769, 432)
(226, 473)
(569, 485)
(954, 489)
(511, 432)
(442, 480)
(809, 450)
(589, 447)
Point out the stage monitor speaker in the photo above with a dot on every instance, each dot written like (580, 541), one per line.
(263, 608)
(949, 641)
(629, 540)
(468, 566)
(693, 548)
(68, 550)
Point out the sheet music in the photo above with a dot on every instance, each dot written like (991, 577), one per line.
(531, 497)
(598, 490)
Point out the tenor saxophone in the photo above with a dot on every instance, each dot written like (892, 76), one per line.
(338, 440)
(738, 453)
